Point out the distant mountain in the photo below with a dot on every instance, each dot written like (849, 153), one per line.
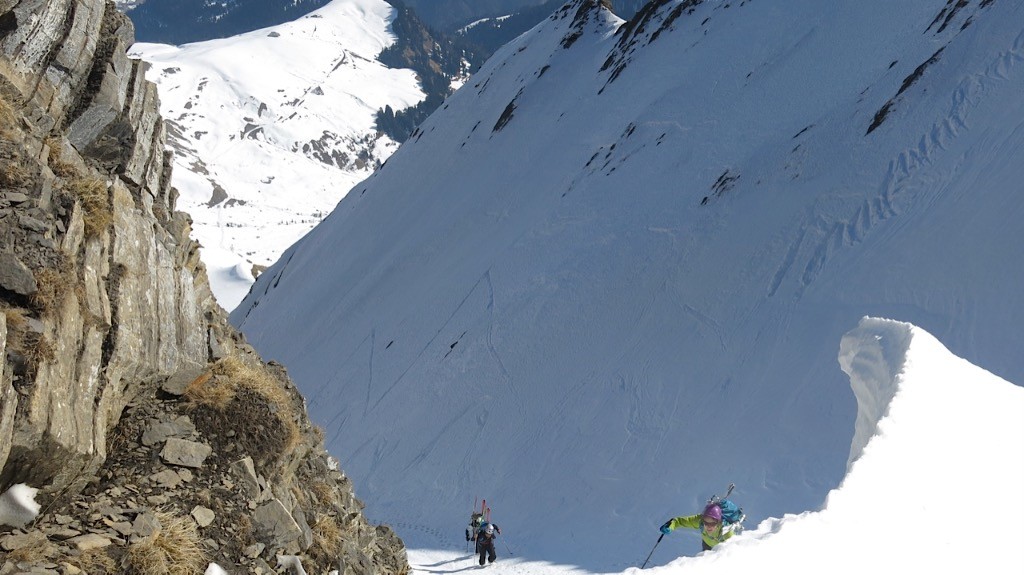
(272, 127)
(312, 125)
(449, 15)
(182, 21)
(494, 32)
(490, 24)
(442, 63)
(623, 245)
(444, 59)
(428, 39)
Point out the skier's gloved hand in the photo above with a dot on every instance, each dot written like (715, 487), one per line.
(665, 529)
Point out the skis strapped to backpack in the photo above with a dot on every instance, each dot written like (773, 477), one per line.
(732, 514)
(477, 519)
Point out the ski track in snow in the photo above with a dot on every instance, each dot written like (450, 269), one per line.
(438, 535)
(429, 343)
(907, 178)
(491, 326)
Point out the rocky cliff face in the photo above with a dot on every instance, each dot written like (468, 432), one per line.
(125, 397)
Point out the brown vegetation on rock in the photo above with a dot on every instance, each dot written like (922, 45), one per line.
(174, 549)
(94, 196)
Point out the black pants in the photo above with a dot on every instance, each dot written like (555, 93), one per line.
(485, 547)
(704, 545)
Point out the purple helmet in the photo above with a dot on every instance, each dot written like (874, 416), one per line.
(713, 513)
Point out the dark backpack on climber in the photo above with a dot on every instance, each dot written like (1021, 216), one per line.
(475, 521)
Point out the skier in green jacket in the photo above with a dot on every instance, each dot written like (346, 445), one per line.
(709, 522)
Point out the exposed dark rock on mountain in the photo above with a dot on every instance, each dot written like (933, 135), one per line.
(437, 59)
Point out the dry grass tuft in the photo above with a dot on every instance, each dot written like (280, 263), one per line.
(38, 350)
(250, 402)
(244, 530)
(17, 327)
(14, 168)
(327, 538)
(261, 382)
(92, 561)
(34, 348)
(323, 492)
(255, 378)
(36, 552)
(56, 162)
(95, 198)
(7, 117)
(175, 549)
(14, 174)
(52, 286)
(209, 391)
(15, 317)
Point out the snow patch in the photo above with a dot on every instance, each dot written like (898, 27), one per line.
(18, 505)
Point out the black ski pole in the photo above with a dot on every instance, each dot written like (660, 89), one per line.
(652, 551)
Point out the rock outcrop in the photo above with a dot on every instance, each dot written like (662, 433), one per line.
(125, 396)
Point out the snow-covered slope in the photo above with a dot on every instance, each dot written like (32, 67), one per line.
(609, 276)
(943, 498)
(271, 128)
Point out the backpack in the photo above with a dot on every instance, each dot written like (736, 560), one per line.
(731, 513)
(477, 520)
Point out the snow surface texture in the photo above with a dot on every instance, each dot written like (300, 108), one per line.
(271, 128)
(609, 276)
(923, 495)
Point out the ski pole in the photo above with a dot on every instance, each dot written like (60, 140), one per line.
(468, 528)
(652, 551)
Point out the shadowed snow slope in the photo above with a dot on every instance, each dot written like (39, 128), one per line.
(608, 277)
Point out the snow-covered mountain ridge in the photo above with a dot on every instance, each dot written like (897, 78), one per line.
(271, 128)
(608, 277)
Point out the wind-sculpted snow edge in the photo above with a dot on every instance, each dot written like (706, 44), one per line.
(873, 355)
(917, 454)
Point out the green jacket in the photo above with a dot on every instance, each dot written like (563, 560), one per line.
(712, 538)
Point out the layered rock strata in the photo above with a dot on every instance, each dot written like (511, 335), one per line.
(109, 330)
